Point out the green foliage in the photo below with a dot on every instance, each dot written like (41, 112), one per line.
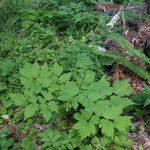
(131, 65)
(143, 98)
(142, 102)
(37, 96)
(27, 144)
(55, 140)
(67, 106)
(5, 141)
(46, 90)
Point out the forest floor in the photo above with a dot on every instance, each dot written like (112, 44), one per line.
(136, 31)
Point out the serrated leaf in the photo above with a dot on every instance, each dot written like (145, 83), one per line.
(123, 141)
(101, 107)
(45, 111)
(94, 120)
(112, 112)
(89, 106)
(121, 102)
(99, 90)
(57, 69)
(19, 99)
(46, 115)
(94, 96)
(35, 87)
(93, 91)
(47, 95)
(27, 82)
(27, 144)
(30, 70)
(105, 89)
(105, 141)
(65, 77)
(89, 77)
(44, 76)
(68, 91)
(85, 129)
(83, 61)
(122, 88)
(122, 123)
(53, 106)
(30, 110)
(95, 141)
(83, 116)
(31, 97)
(107, 128)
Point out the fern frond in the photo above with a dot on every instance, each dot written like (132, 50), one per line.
(128, 47)
(130, 65)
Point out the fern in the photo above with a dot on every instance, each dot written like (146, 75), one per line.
(128, 47)
(132, 66)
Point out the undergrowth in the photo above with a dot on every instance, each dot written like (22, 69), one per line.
(55, 93)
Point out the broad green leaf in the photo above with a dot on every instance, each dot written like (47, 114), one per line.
(31, 97)
(47, 95)
(107, 128)
(89, 77)
(112, 112)
(27, 82)
(122, 123)
(53, 106)
(57, 69)
(121, 102)
(83, 116)
(105, 89)
(27, 144)
(123, 141)
(19, 99)
(122, 88)
(65, 77)
(55, 87)
(46, 114)
(105, 141)
(68, 91)
(30, 70)
(45, 111)
(94, 96)
(89, 106)
(31, 84)
(85, 128)
(30, 110)
(44, 76)
(83, 61)
(93, 91)
(36, 87)
(94, 119)
(102, 107)
(95, 141)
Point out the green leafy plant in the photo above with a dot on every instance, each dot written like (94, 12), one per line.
(54, 139)
(37, 94)
(103, 111)
(67, 106)
(5, 141)
(46, 90)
